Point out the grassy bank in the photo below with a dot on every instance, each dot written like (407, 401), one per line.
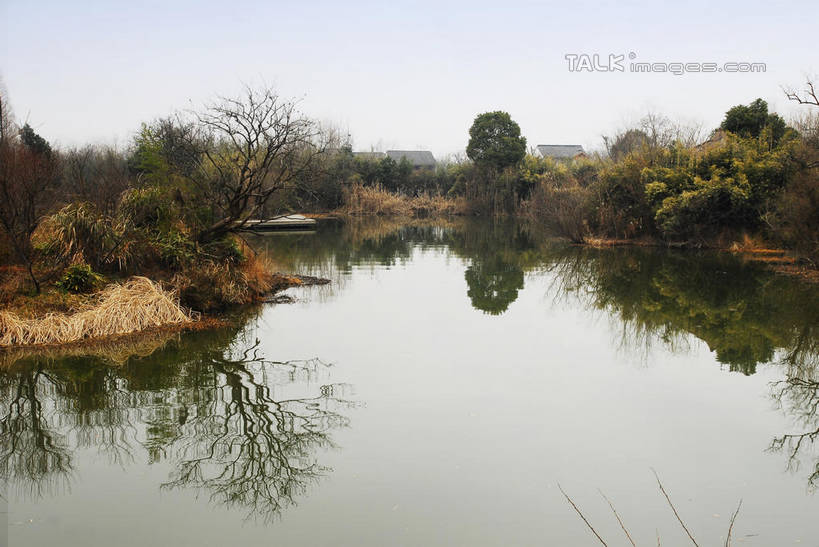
(133, 306)
(56, 317)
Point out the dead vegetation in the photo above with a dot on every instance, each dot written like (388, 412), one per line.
(121, 308)
(375, 200)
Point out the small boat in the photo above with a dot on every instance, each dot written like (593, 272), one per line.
(283, 222)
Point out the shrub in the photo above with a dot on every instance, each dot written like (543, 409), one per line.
(175, 249)
(563, 210)
(622, 207)
(80, 278)
(79, 231)
(713, 204)
(229, 249)
(146, 207)
(216, 286)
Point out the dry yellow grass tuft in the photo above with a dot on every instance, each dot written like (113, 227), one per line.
(375, 200)
(133, 306)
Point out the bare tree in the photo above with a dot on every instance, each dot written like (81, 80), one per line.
(238, 152)
(96, 174)
(28, 175)
(653, 132)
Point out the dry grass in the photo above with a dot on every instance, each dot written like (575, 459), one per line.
(375, 200)
(133, 306)
(370, 200)
(215, 286)
(749, 244)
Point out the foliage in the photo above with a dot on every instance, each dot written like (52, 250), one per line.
(175, 248)
(34, 142)
(369, 200)
(495, 141)
(622, 208)
(559, 194)
(727, 186)
(80, 278)
(80, 232)
(750, 121)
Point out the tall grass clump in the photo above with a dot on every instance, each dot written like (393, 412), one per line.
(132, 306)
(376, 200)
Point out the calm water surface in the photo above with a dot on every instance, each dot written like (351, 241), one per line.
(435, 394)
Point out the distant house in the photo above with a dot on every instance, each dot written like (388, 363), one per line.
(561, 151)
(416, 158)
(369, 156)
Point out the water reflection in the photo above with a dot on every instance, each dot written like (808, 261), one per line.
(746, 314)
(743, 312)
(231, 423)
(36, 458)
(799, 397)
(248, 432)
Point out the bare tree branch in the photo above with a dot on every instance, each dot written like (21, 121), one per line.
(805, 96)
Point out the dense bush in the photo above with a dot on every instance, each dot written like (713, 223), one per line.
(730, 184)
(80, 278)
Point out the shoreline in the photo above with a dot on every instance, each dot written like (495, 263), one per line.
(777, 260)
(90, 344)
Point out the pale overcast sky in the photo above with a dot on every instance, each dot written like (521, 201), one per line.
(395, 74)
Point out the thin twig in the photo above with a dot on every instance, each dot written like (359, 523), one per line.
(613, 510)
(581, 514)
(731, 526)
(674, 508)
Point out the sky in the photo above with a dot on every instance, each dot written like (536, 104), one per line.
(407, 75)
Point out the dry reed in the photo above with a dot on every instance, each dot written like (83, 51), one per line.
(133, 306)
(375, 200)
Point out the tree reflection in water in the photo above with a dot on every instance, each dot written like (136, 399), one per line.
(745, 314)
(244, 446)
(219, 413)
(798, 396)
(231, 423)
(35, 458)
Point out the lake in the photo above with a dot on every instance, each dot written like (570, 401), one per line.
(437, 392)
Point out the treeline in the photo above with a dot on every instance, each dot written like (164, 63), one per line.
(167, 206)
(754, 174)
